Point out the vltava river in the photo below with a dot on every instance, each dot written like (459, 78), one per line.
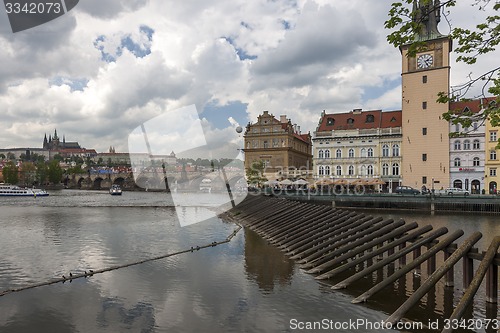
(241, 286)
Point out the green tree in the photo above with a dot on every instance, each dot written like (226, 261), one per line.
(54, 172)
(255, 174)
(10, 173)
(28, 173)
(41, 172)
(469, 45)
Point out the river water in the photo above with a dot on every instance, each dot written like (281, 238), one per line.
(245, 285)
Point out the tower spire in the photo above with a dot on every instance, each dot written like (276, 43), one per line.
(427, 15)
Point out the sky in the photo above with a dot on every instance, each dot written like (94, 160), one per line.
(99, 72)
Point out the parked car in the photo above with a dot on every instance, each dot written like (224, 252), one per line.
(406, 190)
(456, 191)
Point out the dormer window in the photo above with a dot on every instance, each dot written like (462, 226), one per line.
(330, 121)
(466, 109)
(370, 118)
(393, 119)
(350, 121)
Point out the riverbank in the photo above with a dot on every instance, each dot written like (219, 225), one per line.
(473, 204)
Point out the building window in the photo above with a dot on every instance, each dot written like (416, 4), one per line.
(457, 145)
(327, 153)
(493, 136)
(339, 170)
(385, 169)
(266, 144)
(475, 161)
(424, 79)
(276, 143)
(321, 170)
(424, 131)
(424, 105)
(363, 152)
(350, 121)
(475, 126)
(493, 172)
(338, 153)
(475, 144)
(330, 121)
(424, 179)
(456, 162)
(424, 157)
(493, 155)
(370, 152)
(363, 170)
(327, 170)
(466, 145)
(351, 152)
(395, 169)
(395, 150)
(385, 151)
(370, 170)
(370, 118)
(321, 154)
(351, 170)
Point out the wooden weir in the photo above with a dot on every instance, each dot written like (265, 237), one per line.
(327, 241)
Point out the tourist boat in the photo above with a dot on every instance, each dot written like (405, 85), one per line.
(206, 185)
(16, 191)
(115, 190)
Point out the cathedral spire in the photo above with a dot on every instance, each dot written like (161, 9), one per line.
(427, 15)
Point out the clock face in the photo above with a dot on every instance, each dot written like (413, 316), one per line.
(424, 61)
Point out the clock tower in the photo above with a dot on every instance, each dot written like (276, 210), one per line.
(425, 146)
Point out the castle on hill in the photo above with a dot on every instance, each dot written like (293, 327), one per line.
(54, 143)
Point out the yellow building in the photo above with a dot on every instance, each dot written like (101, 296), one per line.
(425, 133)
(285, 151)
(492, 159)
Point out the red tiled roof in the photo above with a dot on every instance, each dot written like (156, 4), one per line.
(473, 105)
(360, 120)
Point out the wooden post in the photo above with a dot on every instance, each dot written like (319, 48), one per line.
(492, 284)
(468, 269)
(449, 278)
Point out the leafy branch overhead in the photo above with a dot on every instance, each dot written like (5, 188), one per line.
(408, 24)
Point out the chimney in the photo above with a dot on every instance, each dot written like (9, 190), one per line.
(356, 111)
(298, 129)
(283, 119)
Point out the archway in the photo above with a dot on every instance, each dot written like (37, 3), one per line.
(97, 183)
(457, 183)
(119, 181)
(493, 188)
(475, 187)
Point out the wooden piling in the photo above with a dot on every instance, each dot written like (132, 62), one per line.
(434, 278)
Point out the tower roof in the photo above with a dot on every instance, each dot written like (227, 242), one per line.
(427, 16)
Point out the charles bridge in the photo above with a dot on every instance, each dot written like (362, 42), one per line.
(148, 180)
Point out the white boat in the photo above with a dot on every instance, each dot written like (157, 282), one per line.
(206, 185)
(115, 190)
(16, 191)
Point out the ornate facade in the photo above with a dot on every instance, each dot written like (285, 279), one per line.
(285, 151)
(359, 144)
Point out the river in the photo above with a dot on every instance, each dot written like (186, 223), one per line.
(244, 285)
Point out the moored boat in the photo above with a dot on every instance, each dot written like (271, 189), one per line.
(115, 190)
(16, 191)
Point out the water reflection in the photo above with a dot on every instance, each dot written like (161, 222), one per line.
(265, 263)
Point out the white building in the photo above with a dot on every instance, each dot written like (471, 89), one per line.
(467, 151)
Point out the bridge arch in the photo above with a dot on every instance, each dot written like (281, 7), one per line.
(97, 183)
(119, 181)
